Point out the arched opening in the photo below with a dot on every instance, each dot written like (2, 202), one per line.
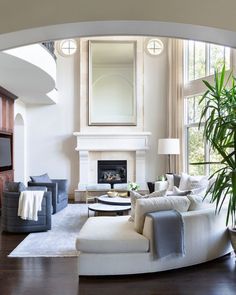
(103, 29)
(19, 149)
(115, 28)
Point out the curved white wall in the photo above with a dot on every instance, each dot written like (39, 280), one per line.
(37, 55)
(30, 73)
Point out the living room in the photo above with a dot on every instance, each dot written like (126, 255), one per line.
(50, 146)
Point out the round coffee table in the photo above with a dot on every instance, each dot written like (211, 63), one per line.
(114, 200)
(99, 207)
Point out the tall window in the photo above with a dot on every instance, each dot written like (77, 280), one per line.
(201, 59)
(195, 146)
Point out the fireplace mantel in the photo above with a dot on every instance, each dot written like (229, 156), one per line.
(132, 141)
(136, 142)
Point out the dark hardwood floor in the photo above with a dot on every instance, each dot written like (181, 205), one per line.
(58, 276)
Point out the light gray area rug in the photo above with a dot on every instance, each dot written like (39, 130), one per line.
(60, 240)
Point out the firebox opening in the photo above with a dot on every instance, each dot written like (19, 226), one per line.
(110, 171)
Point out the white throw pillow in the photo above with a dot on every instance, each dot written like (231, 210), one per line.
(197, 181)
(144, 206)
(170, 180)
(184, 183)
(195, 184)
(134, 196)
(161, 185)
(197, 203)
(198, 184)
(178, 192)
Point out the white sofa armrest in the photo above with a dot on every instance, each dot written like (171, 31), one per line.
(148, 231)
(205, 224)
(160, 185)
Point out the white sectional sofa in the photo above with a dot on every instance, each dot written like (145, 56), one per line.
(116, 246)
(112, 246)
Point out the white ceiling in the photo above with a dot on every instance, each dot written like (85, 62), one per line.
(25, 80)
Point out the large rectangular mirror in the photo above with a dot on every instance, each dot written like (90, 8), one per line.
(112, 83)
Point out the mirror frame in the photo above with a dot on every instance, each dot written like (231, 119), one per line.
(92, 122)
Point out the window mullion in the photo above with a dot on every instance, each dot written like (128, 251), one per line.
(207, 148)
(186, 61)
(194, 74)
(207, 157)
(224, 55)
(185, 134)
(186, 149)
(207, 62)
(232, 60)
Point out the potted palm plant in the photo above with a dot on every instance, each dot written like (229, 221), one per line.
(219, 117)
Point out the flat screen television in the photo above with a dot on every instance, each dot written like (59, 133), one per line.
(5, 152)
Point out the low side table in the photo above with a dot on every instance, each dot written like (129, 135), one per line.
(99, 207)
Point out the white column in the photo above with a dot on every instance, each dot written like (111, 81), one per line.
(83, 169)
(141, 169)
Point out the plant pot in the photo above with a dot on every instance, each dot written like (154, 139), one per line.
(232, 234)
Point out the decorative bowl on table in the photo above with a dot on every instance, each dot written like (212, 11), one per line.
(112, 194)
(124, 195)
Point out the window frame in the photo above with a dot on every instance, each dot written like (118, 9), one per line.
(60, 48)
(193, 88)
(187, 126)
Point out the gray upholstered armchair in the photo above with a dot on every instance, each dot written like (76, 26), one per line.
(14, 224)
(58, 188)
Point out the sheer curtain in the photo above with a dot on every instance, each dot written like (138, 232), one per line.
(175, 100)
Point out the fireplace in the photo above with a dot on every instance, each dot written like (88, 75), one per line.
(112, 171)
(129, 146)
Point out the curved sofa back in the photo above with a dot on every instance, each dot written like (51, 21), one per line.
(205, 234)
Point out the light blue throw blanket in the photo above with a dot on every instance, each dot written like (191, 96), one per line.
(168, 233)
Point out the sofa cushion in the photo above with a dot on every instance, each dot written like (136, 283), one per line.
(44, 178)
(144, 206)
(37, 188)
(134, 196)
(120, 186)
(98, 187)
(15, 187)
(106, 234)
(61, 197)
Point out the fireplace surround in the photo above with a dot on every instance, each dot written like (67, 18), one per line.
(93, 147)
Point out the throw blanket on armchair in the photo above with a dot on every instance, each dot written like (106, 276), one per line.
(29, 204)
(168, 233)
